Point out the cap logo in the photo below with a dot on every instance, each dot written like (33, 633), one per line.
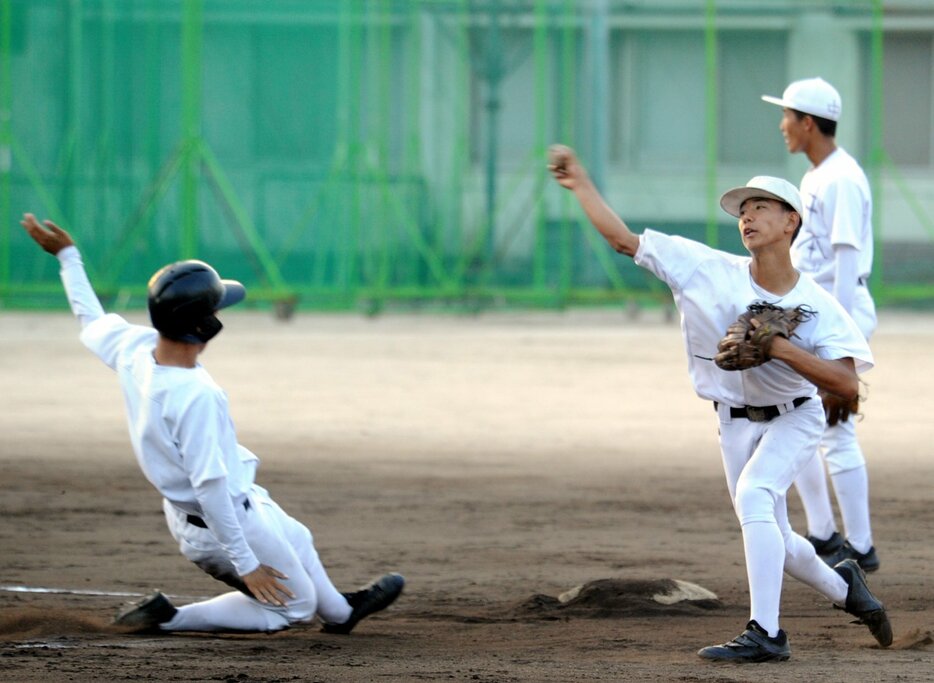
(833, 108)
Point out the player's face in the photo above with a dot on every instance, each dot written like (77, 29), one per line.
(793, 131)
(763, 222)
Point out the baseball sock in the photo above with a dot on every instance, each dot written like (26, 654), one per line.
(765, 552)
(852, 492)
(332, 605)
(228, 612)
(803, 564)
(811, 484)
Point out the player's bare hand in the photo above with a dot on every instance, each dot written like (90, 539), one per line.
(564, 166)
(838, 409)
(264, 584)
(51, 237)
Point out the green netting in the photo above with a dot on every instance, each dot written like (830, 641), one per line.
(347, 153)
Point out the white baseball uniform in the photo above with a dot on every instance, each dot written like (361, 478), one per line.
(838, 212)
(186, 446)
(835, 247)
(711, 289)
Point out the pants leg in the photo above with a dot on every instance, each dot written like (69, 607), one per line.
(332, 605)
(847, 467)
(846, 463)
(811, 485)
(264, 526)
(761, 460)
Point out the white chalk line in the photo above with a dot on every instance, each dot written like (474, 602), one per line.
(80, 591)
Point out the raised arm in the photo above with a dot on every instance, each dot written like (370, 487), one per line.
(570, 174)
(81, 297)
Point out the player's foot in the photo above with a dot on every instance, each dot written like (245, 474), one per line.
(147, 613)
(862, 604)
(868, 561)
(827, 547)
(752, 645)
(374, 597)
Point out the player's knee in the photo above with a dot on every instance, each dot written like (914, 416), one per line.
(798, 550)
(754, 504)
(844, 460)
(299, 535)
(301, 610)
(304, 605)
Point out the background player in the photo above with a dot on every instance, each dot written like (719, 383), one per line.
(186, 445)
(768, 423)
(835, 248)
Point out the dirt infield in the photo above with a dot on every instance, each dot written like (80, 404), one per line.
(497, 461)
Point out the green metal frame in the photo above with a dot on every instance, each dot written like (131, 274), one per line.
(6, 134)
(363, 178)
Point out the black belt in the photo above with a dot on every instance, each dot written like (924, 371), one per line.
(761, 413)
(194, 520)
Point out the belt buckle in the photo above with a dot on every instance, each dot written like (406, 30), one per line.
(755, 414)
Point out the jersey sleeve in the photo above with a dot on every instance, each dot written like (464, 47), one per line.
(110, 336)
(221, 517)
(203, 431)
(842, 337)
(81, 297)
(672, 259)
(844, 202)
(199, 434)
(846, 275)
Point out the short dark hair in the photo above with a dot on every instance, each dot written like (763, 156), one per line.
(825, 126)
(789, 207)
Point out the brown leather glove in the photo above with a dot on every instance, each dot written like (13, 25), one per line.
(748, 340)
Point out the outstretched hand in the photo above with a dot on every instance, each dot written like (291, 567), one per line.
(565, 167)
(51, 237)
(265, 587)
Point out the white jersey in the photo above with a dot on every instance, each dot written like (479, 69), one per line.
(186, 445)
(179, 422)
(712, 288)
(837, 211)
(178, 418)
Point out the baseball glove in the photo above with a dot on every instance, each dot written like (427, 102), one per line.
(838, 409)
(748, 340)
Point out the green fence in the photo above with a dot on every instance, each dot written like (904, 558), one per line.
(345, 153)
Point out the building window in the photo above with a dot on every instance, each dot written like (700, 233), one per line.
(907, 114)
(666, 69)
(503, 96)
(750, 64)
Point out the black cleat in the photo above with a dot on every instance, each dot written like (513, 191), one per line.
(371, 598)
(862, 604)
(868, 561)
(752, 645)
(828, 547)
(146, 614)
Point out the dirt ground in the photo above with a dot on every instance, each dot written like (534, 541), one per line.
(496, 461)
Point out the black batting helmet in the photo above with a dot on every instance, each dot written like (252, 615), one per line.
(183, 298)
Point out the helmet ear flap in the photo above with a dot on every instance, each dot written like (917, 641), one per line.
(191, 330)
(184, 298)
(207, 328)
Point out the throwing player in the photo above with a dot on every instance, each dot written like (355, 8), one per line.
(835, 248)
(769, 421)
(186, 445)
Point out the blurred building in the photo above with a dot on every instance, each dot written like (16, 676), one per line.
(357, 153)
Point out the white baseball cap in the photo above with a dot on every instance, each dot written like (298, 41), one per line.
(761, 186)
(813, 96)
